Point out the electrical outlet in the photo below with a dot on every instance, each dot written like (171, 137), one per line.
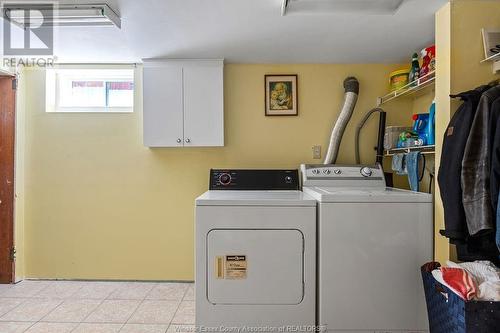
(316, 152)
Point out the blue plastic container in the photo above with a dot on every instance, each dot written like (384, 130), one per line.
(421, 126)
(431, 132)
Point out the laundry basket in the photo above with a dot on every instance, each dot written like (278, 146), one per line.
(449, 313)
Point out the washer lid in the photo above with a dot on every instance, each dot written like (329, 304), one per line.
(255, 198)
(388, 194)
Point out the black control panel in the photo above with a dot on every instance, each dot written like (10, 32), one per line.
(227, 179)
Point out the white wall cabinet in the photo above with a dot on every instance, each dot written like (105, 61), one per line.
(183, 103)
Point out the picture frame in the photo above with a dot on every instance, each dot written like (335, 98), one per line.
(281, 95)
(491, 42)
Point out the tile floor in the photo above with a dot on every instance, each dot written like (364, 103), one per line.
(96, 307)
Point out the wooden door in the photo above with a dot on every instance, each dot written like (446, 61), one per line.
(7, 135)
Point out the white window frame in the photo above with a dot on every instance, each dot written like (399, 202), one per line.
(53, 89)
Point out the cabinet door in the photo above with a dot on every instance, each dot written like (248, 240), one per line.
(203, 104)
(162, 105)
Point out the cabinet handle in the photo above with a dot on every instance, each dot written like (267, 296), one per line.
(179, 140)
(188, 140)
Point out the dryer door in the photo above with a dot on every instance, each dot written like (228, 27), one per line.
(264, 266)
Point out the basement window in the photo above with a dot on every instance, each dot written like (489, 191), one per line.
(90, 90)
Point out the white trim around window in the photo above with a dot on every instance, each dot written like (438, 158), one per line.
(90, 89)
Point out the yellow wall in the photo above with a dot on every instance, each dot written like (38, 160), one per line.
(459, 52)
(97, 204)
(100, 205)
(467, 19)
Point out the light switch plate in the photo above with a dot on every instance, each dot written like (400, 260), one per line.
(316, 152)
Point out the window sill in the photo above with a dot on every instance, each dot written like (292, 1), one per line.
(92, 110)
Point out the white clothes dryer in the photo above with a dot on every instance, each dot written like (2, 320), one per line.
(255, 252)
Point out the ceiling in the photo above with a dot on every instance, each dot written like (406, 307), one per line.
(250, 31)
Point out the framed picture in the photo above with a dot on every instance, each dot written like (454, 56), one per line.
(491, 42)
(281, 95)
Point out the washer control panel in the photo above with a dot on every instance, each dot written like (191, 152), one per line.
(342, 175)
(244, 179)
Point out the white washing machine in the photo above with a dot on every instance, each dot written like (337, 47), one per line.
(255, 252)
(372, 241)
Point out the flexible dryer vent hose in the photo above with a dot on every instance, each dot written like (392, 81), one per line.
(351, 86)
(358, 130)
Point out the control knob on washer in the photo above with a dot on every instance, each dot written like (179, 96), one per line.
(315, 172)
(366, 172)
(225, 179)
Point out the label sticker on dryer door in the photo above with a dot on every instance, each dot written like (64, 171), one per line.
(236, 267)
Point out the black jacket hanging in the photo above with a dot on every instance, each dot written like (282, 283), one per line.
(450, 169)
(476, 192)
(494, 133)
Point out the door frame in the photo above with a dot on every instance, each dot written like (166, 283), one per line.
(7, 176)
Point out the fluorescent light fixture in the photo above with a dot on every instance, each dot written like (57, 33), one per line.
(34, 15)
(340, 6)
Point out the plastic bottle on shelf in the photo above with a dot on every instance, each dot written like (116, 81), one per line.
(431, 131)
(421, 127)
(415, 70)
(409, 143)
(409, 139)
(428, 62)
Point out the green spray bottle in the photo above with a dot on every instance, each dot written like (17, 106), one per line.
(415, 70)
